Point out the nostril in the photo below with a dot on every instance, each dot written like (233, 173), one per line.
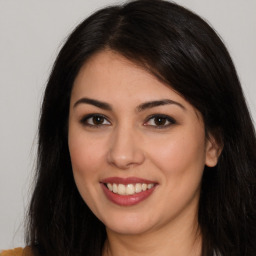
(125, 158)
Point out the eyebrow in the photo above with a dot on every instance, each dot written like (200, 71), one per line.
(97, 103)
(141, 107)
(156, 103)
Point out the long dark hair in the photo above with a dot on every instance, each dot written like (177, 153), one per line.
(182, 50)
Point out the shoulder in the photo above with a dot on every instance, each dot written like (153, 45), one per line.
(17, 252)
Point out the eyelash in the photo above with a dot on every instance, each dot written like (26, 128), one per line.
(85, 121)
(165, 118)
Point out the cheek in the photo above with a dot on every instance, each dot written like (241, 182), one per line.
(85, 165)
(85, 155)
(181, 156)
(181, 161)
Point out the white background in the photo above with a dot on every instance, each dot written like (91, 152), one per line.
(31, 33)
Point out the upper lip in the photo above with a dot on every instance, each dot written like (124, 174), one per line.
(126, 181)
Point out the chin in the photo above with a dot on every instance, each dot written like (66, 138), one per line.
(127, 230)
(129, 225)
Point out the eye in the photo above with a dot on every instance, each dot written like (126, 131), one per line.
(160, 121)
(95, 120)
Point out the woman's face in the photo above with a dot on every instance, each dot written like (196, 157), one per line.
(138, 149)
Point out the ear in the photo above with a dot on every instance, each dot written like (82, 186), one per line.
(213, 149)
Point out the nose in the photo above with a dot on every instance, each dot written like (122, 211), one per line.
(125, 149)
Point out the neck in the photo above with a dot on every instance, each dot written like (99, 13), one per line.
(178, 240)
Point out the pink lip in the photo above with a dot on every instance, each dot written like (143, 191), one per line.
(126, 200)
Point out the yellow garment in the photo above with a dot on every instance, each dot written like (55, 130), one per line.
(17, 252)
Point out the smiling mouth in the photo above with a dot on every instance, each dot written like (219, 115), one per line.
(129, 189)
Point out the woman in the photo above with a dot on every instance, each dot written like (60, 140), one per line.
(146, 146)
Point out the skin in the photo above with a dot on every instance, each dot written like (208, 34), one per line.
(128, 142)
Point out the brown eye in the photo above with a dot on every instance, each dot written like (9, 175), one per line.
(160, 121)
(95, 120)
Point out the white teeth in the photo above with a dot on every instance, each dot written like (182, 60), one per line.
(144, 187)
(110, 187)
(138, 188)
(129, 189)
(114, 188)
(150, 186)
(121, 189)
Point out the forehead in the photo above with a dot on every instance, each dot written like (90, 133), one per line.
(111, 66)
(107, 72)
(111, 78)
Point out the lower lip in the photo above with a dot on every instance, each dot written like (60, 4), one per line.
(127, 200)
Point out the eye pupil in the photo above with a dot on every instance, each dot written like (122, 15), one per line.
(98, 120)
(160, 121)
